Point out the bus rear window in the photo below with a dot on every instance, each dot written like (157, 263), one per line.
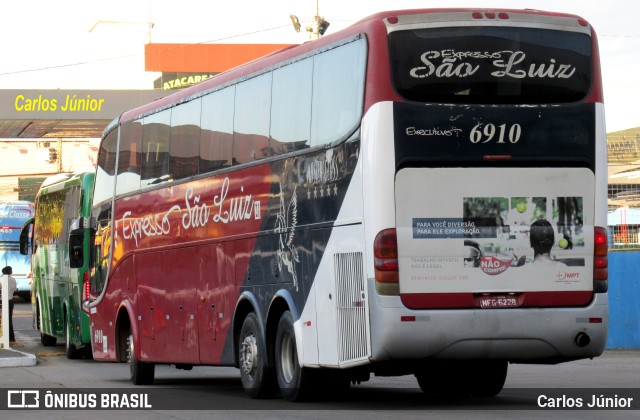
(490, 65)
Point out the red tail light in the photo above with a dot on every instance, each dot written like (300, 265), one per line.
(600, 261)
(87, 286)
(385, 252)
(86, 290)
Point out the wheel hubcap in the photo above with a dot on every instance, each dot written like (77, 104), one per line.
(288, 357)
(130, 350)
(249, 355)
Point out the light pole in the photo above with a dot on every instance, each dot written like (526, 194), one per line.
(317, 29)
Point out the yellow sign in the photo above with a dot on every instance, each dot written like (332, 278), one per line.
(71, 103)
(185, 81)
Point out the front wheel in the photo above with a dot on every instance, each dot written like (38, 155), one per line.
(142, 373)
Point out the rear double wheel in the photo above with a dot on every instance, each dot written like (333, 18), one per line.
(293, 380)
(257, 378)
(296, 382)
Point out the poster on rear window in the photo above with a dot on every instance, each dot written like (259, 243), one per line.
(486, 230)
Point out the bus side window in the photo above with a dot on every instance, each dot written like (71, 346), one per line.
(216, 135)
(155, 148)
(291, 107)
(184, 148)
(338, 92)
(251, 119)
(130, 157)
(105, 171)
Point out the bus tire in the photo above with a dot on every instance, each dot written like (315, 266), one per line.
(46, 339)
(255, 375)
(142, 373)
(473, 378)
(70, 349)
(489, 379)
(293, 380)
(441, 379)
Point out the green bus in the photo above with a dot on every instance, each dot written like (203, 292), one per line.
(58, 290)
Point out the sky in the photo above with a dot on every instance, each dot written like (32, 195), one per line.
(97, 44)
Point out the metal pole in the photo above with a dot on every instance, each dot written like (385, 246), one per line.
(4, 319)
(59, 155)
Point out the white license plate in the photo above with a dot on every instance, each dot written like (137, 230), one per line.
(492, 302)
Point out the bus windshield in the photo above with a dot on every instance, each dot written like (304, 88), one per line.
(484, 65)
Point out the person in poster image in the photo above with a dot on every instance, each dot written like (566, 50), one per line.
(542, 239)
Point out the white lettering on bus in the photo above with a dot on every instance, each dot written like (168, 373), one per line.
(435, 131)
(151, 225)
(507, 63)
(562, 71)
(15, 214)
(446, 69)
(239, 208)
(196, 215)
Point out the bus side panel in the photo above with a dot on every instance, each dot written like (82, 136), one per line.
(42, 289)
(216, 300)
(167, 305)
(336, 305)
(307, 193)
(51, 294)
(340, 314)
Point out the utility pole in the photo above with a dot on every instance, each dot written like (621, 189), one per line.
(318, 28)
(320, 25)
(59, 149)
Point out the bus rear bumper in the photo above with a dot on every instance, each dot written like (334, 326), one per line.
(527, 335)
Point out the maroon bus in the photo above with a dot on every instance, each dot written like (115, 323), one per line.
(421, 193)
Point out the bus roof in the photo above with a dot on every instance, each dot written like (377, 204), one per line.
(62, 178)
(15, 203)
(373, 25)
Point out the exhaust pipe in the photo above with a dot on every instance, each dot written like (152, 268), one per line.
(582, 340)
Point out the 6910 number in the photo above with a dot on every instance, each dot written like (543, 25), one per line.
(485, 133)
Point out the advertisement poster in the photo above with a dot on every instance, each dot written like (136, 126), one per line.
(479, 230)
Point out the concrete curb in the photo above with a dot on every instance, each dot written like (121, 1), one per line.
(14, 358)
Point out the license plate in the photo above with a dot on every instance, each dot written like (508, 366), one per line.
(493, 302)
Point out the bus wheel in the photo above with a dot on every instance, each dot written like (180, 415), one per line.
(293, 380)
(45, 339)
(489, 378)
(477, 378)
(71, 350)
(141, 373)
(256, 377)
